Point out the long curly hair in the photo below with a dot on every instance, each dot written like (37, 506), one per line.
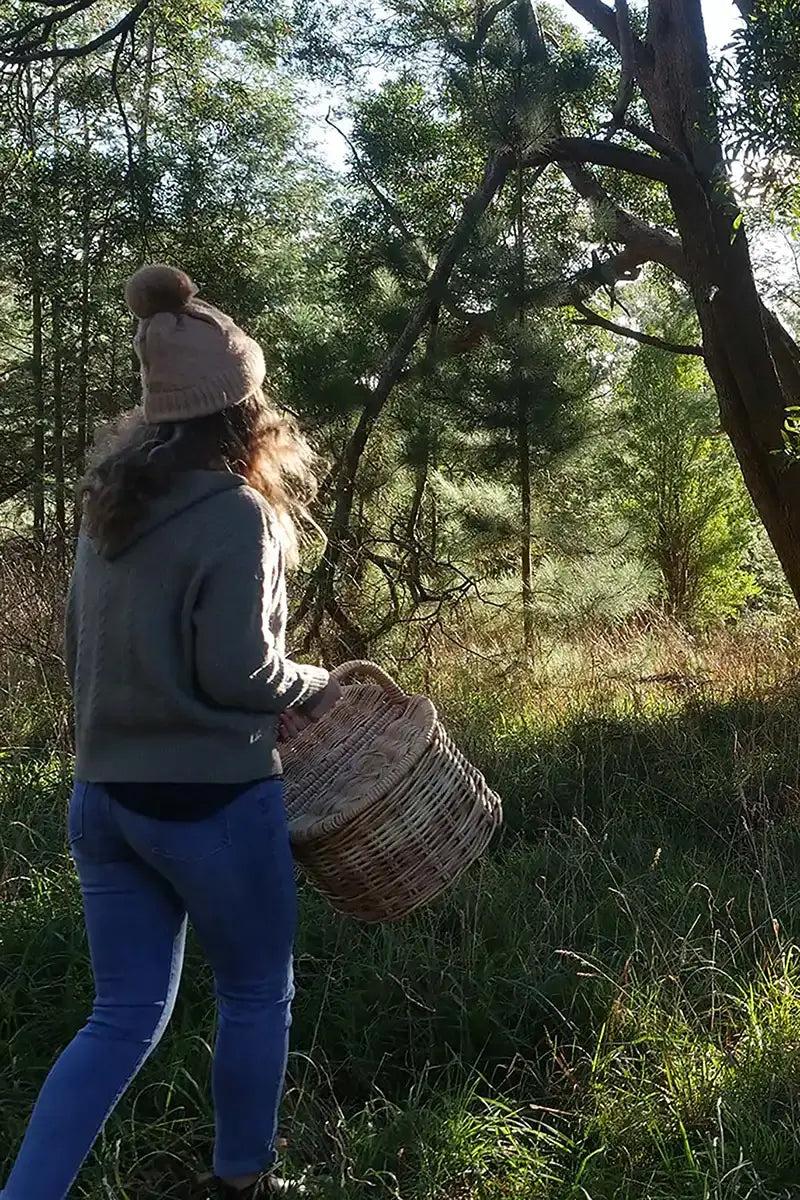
(134, 462)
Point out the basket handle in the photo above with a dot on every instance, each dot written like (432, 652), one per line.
(351, 671)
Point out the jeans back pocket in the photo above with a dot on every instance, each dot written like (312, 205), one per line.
(190, 841)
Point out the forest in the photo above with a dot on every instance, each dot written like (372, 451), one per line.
(527, 274)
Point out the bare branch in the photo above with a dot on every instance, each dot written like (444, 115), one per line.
(605, 154)
(590, 317)
(628, 73)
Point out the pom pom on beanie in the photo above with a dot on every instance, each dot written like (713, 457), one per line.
(158, 289)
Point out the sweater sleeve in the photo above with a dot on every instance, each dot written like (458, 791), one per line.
(238, 618)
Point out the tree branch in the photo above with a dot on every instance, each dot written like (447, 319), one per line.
(590, 317)
(600, 16)
(495, 173)
(628, 73)
(646, 242)
(655, 142)
(603, 273)
(466, 48)
(12, 53)
(388, 205)
(38, 30)
(11, 488)
(488, 17)
(604, 154)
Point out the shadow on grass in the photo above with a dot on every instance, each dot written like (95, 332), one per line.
(609, 1002)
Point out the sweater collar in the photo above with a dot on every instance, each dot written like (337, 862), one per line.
(189, 489)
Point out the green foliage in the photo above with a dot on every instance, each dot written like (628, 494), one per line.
(679, 487)
(192, 159)
(486, 455)
(767, 53)
(605, 1008)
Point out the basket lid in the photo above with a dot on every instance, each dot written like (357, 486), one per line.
(356, 753)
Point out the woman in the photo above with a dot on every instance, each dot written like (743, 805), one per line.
(175, 648)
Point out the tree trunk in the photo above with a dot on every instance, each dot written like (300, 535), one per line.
(522, 422)
(420, 484)
(59, 482)
(412, 524)
(37, 368)
(141, 169)
(37, 381)
(738, 340)
(425, 431)
(57, 333)
(526, 563)
(82, 408)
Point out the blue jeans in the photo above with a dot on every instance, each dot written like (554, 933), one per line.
(232, 875)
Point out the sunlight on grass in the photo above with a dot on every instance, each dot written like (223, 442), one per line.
(608, 1007)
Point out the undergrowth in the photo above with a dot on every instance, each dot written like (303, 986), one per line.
(607, 1007)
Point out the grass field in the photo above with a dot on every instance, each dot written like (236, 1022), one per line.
(608, 1007)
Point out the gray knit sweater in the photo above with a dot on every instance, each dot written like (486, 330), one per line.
(175, 643)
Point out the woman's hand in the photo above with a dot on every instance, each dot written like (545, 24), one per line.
(294, 720)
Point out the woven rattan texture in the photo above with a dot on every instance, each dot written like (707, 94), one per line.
(384, 811)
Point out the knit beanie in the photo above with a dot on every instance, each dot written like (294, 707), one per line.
(194, 359)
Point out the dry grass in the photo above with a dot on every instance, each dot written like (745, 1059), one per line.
(635, 664)
(33, 693)
(608, 1008)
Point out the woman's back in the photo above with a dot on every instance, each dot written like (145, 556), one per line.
(177, 673)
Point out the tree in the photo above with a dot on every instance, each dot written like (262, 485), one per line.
(677, 485)
(497, 102)
(106, 161)
(753, 362)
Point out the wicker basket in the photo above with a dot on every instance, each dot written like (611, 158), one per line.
(384, 811)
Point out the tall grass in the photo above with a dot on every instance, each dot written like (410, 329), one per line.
(607, 1007)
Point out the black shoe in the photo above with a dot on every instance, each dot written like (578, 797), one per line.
(262, 1189)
